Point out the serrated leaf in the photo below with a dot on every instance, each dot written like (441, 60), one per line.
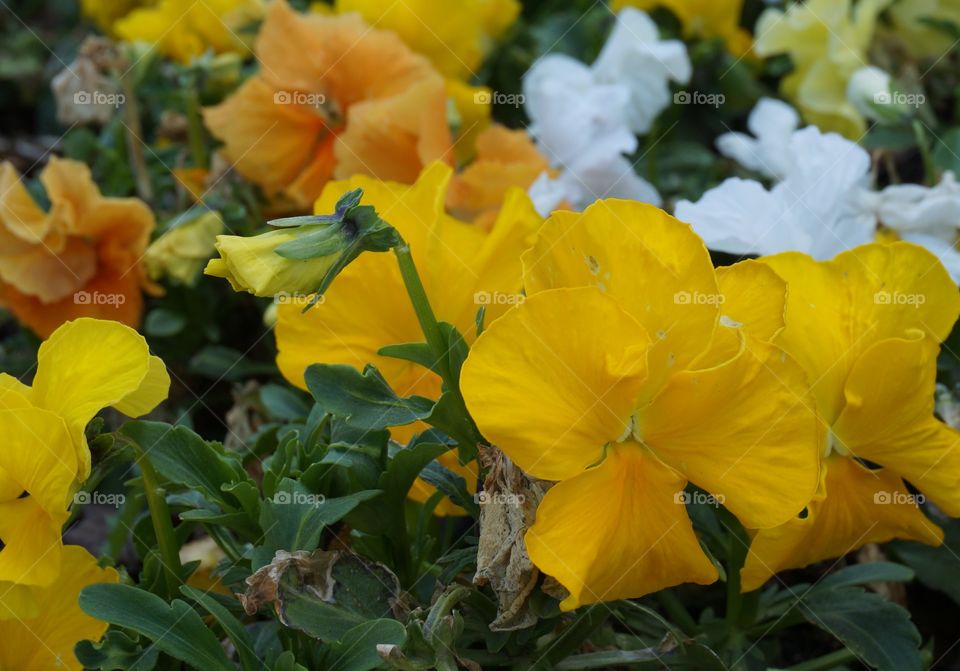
(862, 574)
(357, 651)
(116, 651)
(231, 625)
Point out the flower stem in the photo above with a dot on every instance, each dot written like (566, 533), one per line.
(160, 516)
(198, 149)
(923, 144)
(421, 306)
(677, 612)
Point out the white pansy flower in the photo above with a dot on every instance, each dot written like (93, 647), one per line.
(820, 207)
(586, 118)
(772, 123)
(913, 207)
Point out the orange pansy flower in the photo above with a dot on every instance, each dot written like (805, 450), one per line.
(79, 258)
(333, 98)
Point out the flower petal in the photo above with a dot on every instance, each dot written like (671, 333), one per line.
(837, 309)
(87, 365)
(675, 297)
(640, 541)
(889, 419)
(554, 380)
(746, 431)
(47, 642)
(860, 507)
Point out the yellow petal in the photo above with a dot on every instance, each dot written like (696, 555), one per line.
(554, 380)
(746, 431)
(653, 265)
(860, 507)
(47, 642)
(640, 538)
(889, 419)
(87, 365)
(39, 461)
(837, 309)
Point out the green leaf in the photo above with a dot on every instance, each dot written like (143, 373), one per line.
(184, 458)
(176, 629)
(283, 403)
(879, 632)
(936, 567)
(364, 400)
(116, 651)
(294, 518)
(357, 650)
(417, 352)
(231, 625)
(163, 323)
(862, 574)
(946, 150)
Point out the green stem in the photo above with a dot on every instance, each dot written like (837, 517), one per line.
(198, 148)
(572, 637)
(923, 143)
(134, 133)
(826, 662)
(677, 612)
(162, 527)
(421, 306)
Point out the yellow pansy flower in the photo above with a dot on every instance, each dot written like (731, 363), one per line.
(866, 327)
(702, 18)
(185, 29)
(105, 12)
(827, 40)
(46, 640)
(455, 39)
(366, 308)
(83, 367)
(632, 368)
(184, 248)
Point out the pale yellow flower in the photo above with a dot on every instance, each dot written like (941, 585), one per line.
(827, 41)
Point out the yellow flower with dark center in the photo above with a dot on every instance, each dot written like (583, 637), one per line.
(84, 366)
(702, 18)
(632, 369)
(866, 327)
(46, 640)
(366, 308)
